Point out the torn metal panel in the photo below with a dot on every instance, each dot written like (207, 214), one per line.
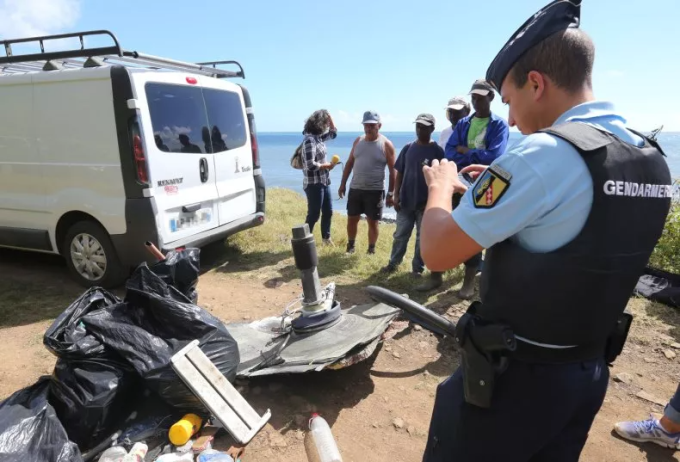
(271, 346)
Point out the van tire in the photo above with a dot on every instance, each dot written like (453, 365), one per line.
(99, 256)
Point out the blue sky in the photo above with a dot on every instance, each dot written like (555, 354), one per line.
(388, 55)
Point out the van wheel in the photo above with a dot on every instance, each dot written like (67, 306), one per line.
(90, 256)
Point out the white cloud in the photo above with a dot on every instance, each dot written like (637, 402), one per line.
(173, 133)
(28, 18)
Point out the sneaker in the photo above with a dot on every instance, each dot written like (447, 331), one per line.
(350, 248)
(371, 251)
(650, 430)
(416, 275)
(328, 242)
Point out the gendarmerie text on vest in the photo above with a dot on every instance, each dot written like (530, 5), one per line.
(627, 188)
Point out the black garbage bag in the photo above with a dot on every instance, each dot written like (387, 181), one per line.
(181, 270)
(30, 429)
(93, 396)
(92, 388)
(154, 323)
(660, 286)
(67, 337)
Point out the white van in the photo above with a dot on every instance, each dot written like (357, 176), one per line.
(102, 150)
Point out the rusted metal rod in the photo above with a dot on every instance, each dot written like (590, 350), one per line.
(154, 251)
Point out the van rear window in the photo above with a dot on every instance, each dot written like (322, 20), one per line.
(195, 120)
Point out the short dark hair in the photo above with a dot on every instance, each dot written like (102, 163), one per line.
(566, 57)
(317, 123)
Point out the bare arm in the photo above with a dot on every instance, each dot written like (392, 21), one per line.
(397, 189)
(332, 133)
(390, 154)
(443, 244)
(347, 170)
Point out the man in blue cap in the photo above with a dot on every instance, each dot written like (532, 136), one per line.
(558, 271)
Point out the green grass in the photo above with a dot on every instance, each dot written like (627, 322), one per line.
(666, 255)
(267, 248)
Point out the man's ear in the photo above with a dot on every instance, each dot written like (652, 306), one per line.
(536, 82)
(491, 95)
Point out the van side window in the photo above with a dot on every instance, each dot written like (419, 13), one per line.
(225, 114)
(179, 118)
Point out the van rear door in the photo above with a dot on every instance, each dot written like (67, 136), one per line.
(180, 160)
(232, 147)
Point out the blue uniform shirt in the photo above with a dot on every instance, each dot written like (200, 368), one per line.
(550, 190)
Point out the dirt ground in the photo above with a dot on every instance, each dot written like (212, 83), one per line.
(379, 410)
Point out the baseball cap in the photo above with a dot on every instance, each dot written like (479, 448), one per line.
(481, 87)
(371, 117)
(457, 103)
(425, 119)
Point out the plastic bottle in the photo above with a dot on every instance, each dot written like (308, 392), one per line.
(175, 457)
(212, 455)
(137, 453)
(114, 454)
(323, 441)
(182, 430)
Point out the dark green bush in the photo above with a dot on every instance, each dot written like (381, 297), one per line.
(666, 255)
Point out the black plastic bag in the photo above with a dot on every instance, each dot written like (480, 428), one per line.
(660, 286)
(30, 429)
(67, 337)
(92, 388)
(154, 323)
(181, 269)
(92, 397)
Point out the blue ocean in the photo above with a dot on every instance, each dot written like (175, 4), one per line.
(277, 148)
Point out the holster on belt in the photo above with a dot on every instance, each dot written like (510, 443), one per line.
(483, 346)
(618, 337)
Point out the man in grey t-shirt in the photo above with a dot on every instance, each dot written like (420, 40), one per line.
(370, 154)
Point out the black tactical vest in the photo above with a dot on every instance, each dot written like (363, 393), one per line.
(574, 295)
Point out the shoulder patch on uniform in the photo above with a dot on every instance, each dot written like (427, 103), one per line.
(490, 187)
(501, 172)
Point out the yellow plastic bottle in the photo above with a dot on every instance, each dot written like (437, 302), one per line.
(182, 430)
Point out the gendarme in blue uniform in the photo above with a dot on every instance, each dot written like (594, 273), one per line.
(551, 191)
(569, 217)
(545, 207)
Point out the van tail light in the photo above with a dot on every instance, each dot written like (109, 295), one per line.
(253, 141)
(139, 155)
(140, 159)
(252, 129)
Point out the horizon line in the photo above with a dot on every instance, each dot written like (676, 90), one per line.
(297, 132)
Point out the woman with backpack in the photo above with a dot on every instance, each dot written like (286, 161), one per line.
(319, 128)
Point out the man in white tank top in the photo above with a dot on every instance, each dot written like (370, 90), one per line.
(370, 154)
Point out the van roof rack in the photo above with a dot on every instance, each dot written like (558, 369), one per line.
(113, 54)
